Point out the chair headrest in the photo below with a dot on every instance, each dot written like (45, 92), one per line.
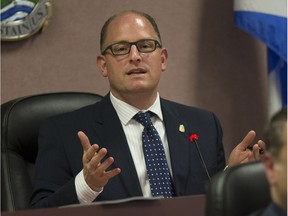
(238, 190)
(21, 118)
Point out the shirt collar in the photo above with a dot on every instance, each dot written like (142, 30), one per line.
(126, 112)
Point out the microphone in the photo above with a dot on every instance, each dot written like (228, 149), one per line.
(194, 138)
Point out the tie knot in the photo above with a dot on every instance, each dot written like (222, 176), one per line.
(144, 118)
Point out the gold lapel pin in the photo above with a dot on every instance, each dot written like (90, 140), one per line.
(181, 128)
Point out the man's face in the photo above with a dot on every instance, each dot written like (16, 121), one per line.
(134, 72)
(276, 172)
(281, 172)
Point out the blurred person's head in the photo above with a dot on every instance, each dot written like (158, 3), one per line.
(275, 158)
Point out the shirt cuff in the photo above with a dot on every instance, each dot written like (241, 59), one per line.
(84, 193)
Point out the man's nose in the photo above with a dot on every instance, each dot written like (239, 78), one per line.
(134, 53)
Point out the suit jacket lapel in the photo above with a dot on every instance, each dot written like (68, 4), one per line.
(115, 141)
(110, 131)
(178, 140)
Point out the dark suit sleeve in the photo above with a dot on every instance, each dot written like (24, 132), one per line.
(60, 154)
(221, 161)
(54, 181)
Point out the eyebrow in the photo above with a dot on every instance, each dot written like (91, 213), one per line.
(125, 41)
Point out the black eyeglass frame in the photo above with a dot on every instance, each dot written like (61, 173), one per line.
(157, 44)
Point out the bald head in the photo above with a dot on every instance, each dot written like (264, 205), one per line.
(107, 24)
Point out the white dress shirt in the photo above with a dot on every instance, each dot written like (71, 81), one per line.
(133, 131)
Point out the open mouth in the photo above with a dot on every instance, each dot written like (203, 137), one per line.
(136, 72)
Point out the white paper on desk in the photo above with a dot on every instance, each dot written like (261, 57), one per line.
(111, 202)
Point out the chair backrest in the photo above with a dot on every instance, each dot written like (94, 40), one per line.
(20, 121)
(238, 191)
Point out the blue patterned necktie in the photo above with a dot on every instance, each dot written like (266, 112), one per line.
(156, 164)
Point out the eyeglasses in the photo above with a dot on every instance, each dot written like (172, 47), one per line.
(123, 48)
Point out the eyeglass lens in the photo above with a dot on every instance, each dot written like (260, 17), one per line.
(143, 46)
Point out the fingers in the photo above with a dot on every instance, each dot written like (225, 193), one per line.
(255, 153)
(248, 139)
(245, 151)
(89, 150)
(258, 150)
(98, 177)
(104, 166)
(237, 156)
(240, 154)
(91, 154)
(244, 156)
(94, 158)
(98, 168)
(110, 174)
(84, 140)
(94, 166)
(102, 169)
(262, 146)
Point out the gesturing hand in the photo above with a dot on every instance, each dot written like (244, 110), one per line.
(241, 153)
(94, 170)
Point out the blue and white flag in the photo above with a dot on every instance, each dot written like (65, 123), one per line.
(267, 21)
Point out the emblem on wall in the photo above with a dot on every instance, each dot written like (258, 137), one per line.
(22, 18)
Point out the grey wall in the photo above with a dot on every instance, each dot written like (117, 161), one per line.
(212, 64)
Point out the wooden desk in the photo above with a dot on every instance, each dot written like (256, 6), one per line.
(194, 205)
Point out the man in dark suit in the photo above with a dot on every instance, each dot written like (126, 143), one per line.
(111, 164)
(275, 164)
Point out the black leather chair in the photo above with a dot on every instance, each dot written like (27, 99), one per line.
(20, 121)
(238, 191)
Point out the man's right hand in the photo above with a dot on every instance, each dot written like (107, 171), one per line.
(94, 170)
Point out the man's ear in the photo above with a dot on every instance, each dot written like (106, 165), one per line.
(164, 57)
(269, 167)
(101, 63)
